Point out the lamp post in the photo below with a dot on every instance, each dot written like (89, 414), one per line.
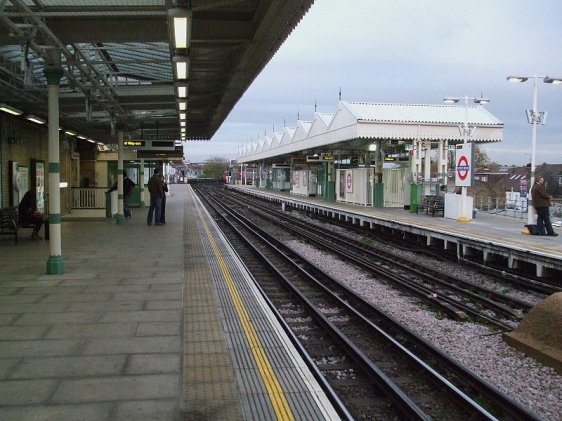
(466, 132)
(534, 117)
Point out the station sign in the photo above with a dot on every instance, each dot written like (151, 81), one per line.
(167, 145)
(134, 143)
(172, 155)
(320, 158)
(464, 169)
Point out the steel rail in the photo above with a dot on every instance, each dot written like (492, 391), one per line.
(506, 404)
(454, 308)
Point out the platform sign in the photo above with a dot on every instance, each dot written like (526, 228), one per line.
(134, 143)
(150, 145)
(464, 171)
(349, 181)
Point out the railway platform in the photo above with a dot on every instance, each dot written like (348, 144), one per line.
(487, 238)
(147, 322)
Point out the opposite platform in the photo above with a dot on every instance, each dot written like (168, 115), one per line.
(487, 235)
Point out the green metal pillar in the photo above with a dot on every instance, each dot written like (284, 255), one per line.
(55, 263)
(378, 195)
(413, 198)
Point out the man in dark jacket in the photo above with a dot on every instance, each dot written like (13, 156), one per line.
(28, 214)
(156, 192)
(128, 187)
(541, 203)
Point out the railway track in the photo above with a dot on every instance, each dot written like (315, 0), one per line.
(369, 360)
(526, 284)
(458, 298)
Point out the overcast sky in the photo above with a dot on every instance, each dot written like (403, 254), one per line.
(409, 51)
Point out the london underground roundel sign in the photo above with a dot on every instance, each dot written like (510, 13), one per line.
(463, 170)
(349, 181)
(463, 174)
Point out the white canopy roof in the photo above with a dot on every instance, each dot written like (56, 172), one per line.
(361, 120)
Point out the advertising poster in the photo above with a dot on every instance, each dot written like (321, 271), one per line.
(40, 185)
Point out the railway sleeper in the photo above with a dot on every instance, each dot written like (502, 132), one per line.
(451, 310)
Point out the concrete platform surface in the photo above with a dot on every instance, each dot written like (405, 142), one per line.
(103, 340)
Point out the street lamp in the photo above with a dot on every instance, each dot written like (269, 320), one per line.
(466, 132)
(534, 117)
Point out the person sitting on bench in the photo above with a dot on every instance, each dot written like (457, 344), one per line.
(28, 214)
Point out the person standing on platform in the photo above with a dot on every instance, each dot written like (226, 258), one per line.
(164, 191)
(128, 186)
(156, 191)
(541, 203)
(28, 214)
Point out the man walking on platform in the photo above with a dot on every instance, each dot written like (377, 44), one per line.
(156, 192)
(128, 187)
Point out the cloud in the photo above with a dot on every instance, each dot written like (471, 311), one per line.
(411, 52)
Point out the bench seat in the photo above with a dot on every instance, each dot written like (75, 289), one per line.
(9, 224)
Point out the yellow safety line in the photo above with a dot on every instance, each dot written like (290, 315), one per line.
(274, 390)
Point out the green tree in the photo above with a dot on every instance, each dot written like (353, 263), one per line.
(215, 167)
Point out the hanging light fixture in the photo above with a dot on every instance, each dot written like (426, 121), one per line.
(181, 90)
(180, 19)
(10, 110)
(35, 119)
(181, 67)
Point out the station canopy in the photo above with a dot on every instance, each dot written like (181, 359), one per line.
(117, 59)
(357, 124)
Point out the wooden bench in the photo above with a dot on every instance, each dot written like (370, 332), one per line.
(9, 223)
(432, 205)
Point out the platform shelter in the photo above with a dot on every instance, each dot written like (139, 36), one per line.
(373, 154)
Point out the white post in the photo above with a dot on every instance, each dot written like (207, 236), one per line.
(531, 214)
(141, 183)
(440, 172)
(55, 263)
(464, 216)
(427, 168)
(120, 219)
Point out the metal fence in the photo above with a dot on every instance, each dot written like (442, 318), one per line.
(88, 198)
(516, 208)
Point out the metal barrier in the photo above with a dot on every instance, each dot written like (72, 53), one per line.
(516, 209)
(88, 198)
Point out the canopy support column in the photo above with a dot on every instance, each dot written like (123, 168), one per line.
(53, 73)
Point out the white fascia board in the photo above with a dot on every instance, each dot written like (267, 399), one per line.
(425, 132)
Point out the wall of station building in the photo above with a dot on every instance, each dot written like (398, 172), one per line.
(26, 144)
(339, 182)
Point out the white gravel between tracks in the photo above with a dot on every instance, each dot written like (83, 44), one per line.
(535, 386)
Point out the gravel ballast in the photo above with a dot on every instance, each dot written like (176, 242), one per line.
(534, 385)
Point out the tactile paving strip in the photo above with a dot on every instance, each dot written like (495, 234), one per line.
(303, 395)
